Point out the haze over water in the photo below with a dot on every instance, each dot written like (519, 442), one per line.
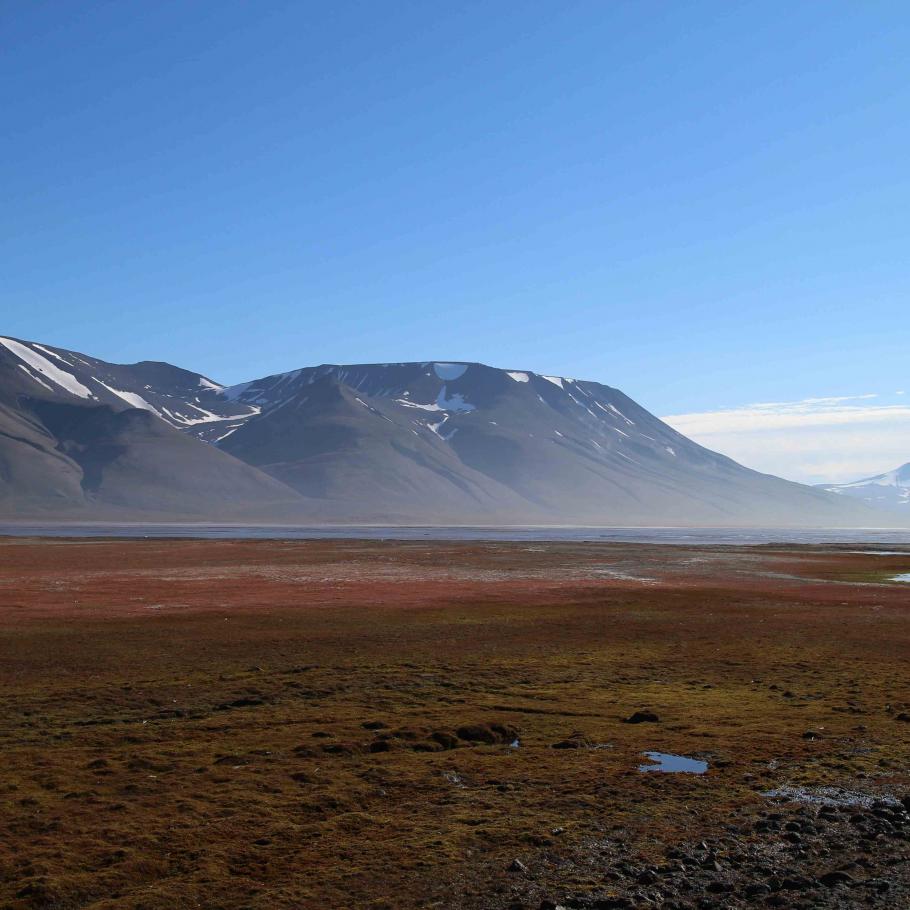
(682, 536)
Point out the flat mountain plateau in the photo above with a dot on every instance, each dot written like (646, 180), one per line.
(277, 724)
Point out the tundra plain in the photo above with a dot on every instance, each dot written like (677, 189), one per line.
(252, 725)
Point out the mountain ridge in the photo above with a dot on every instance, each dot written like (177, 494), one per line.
(889, 491)
(422, 442)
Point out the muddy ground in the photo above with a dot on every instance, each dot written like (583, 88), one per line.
(291, 724)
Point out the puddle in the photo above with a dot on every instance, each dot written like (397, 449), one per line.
(674, 764)
(904, 576)
(515, 744)
(829, 796)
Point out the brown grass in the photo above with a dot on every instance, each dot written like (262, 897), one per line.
(194, 723)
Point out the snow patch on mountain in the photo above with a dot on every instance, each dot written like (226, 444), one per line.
(42, 365)
(33, 377)
(455, 403)
(131, 398)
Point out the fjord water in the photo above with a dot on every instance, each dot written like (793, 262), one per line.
(681, 536)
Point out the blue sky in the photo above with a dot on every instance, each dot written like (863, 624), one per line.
(704, 204)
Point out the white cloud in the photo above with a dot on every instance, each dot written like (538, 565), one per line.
(816, 440)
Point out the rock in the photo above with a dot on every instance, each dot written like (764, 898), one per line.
(757, 889)
(837, 877)
(642, 717)
(796, 883)
(373, 725)
(518, 866)
(811, 734)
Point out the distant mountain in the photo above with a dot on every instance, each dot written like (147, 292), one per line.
(439, 442)
(890, 491)
(179, 397)
(84, 439)
(421, 443)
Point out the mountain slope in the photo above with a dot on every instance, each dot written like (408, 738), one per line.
(458, 442)
(890, 491)
(179, 397)
(70, 447)
(432, 442)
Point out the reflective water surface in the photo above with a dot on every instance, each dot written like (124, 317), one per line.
(674, 764)
(683, 536)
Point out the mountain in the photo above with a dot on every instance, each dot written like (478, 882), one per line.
(85, 440)
(889, 491)
(179, 397)
(439, 442)
(420, 443)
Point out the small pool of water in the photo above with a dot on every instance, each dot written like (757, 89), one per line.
(904, 576)
(673, 764)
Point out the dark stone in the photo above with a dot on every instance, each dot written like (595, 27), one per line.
(718, 887)
(568, 744)
(796, 883)
(642, 717)
(837, 877)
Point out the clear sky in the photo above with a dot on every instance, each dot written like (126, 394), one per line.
(705, 204)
